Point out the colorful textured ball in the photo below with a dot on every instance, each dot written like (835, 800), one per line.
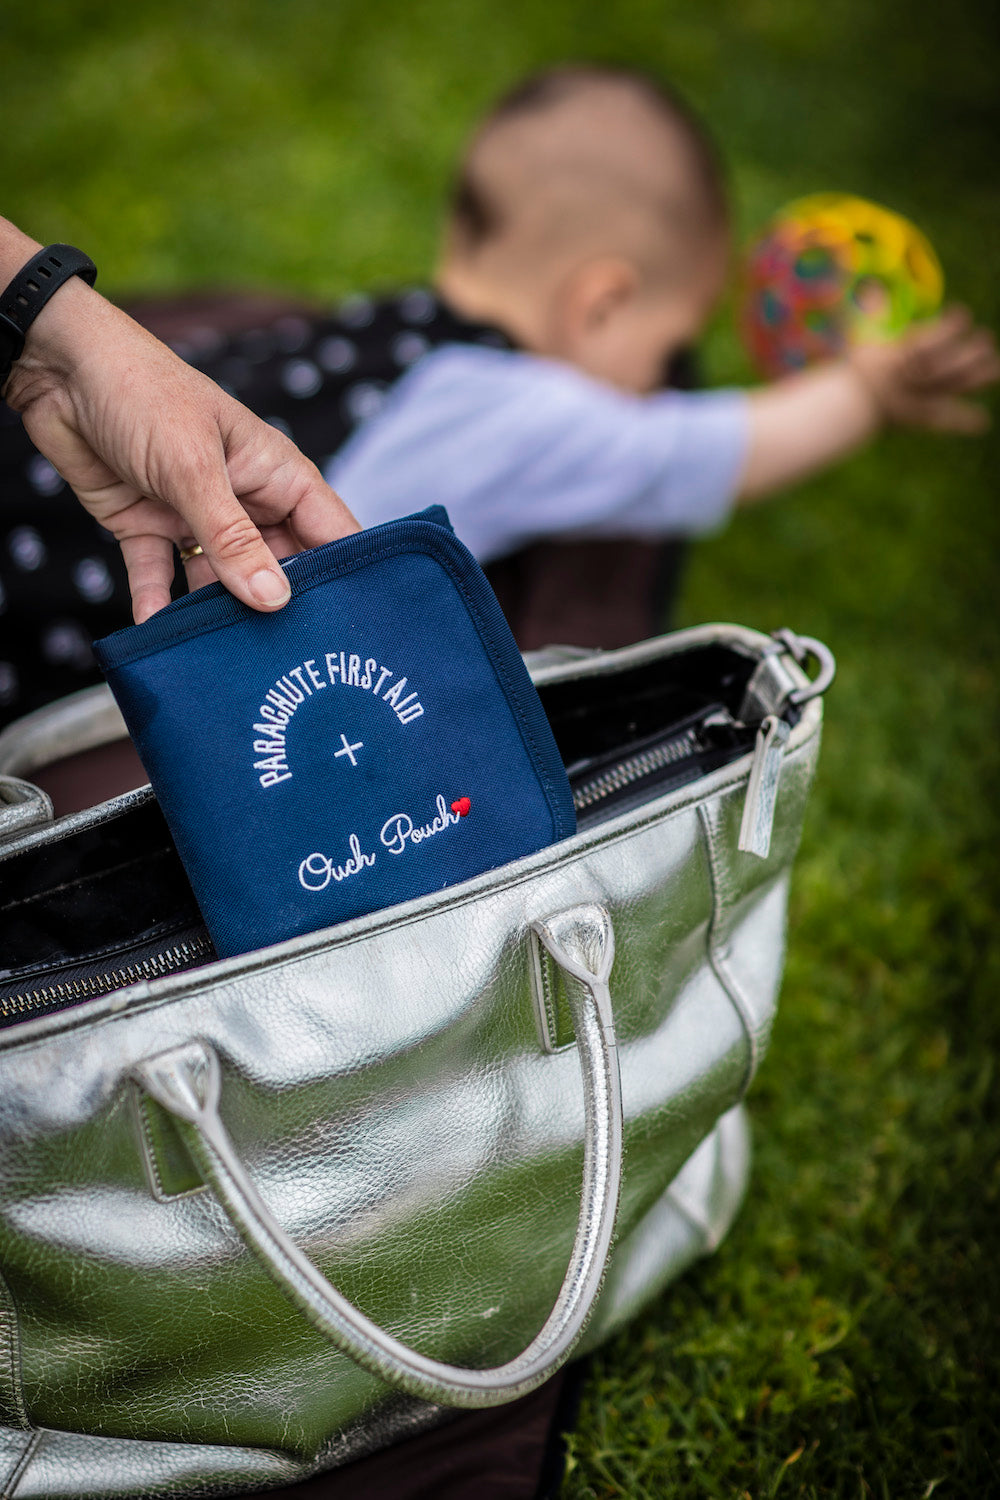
(831, 271)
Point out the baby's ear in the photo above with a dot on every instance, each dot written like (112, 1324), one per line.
(593, 321)
(597, 290)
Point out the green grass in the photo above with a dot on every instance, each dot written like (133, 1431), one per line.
(843, 1342)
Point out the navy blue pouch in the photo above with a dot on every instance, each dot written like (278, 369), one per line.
(375, 740)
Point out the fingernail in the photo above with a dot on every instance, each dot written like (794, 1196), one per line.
(270, 588)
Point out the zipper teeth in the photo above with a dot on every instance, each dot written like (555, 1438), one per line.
(103, 984)
(623, 775)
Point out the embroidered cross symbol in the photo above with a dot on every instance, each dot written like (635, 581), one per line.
(348, 750)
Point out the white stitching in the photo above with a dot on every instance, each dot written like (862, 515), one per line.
(12, 1341)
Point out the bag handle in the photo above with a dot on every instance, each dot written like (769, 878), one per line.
(22, 806)
(186, 1081)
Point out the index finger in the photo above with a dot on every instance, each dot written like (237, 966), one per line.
(199, 489)
(280, 486)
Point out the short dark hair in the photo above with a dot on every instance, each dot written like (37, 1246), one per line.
(477, 218)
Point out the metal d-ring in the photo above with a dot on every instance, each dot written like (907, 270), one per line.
(802, 647)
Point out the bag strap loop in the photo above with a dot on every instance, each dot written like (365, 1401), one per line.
(187, 1082)
(802, 647)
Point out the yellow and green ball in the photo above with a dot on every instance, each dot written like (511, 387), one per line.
(830, 271)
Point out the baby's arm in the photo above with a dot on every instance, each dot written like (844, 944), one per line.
(805, 422)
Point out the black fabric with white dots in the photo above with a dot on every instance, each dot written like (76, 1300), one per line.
(315, 377)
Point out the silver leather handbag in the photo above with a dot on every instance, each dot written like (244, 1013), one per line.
(260, 1217)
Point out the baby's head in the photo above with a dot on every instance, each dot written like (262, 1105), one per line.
(590, 221)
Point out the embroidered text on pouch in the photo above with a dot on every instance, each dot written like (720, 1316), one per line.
(400, 828)
(317, 869)
(310, 677)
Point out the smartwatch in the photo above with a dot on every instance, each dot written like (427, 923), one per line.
(27, 294)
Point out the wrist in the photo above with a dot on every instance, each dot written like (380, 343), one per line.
(16, 249)
(44, 309)
(56, 344)
(872, 367)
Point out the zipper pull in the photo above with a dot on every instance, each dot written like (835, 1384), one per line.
(762, 788)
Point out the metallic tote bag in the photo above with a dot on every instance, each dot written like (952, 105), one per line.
(263, 1215)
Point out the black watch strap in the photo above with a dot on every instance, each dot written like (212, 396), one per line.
(27, 294)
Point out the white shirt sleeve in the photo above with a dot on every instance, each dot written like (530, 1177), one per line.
(520, 448)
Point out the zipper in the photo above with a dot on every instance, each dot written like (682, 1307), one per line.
(616, 778)
(703, 742)
(184, 954)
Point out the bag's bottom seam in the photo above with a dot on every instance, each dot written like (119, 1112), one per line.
(697, 1220)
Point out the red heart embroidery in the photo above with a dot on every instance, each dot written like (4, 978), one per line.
(461, 805)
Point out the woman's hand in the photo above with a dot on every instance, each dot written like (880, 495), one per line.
(162, 457)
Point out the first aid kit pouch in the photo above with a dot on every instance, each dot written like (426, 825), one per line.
(377, 739)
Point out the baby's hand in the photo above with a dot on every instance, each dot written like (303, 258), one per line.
(921, 378)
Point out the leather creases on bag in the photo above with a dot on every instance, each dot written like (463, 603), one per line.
(264, 1215)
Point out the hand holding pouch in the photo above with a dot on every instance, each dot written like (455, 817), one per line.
(375, 740)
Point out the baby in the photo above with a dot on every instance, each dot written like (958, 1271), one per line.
(590, 233)
(587, 244)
